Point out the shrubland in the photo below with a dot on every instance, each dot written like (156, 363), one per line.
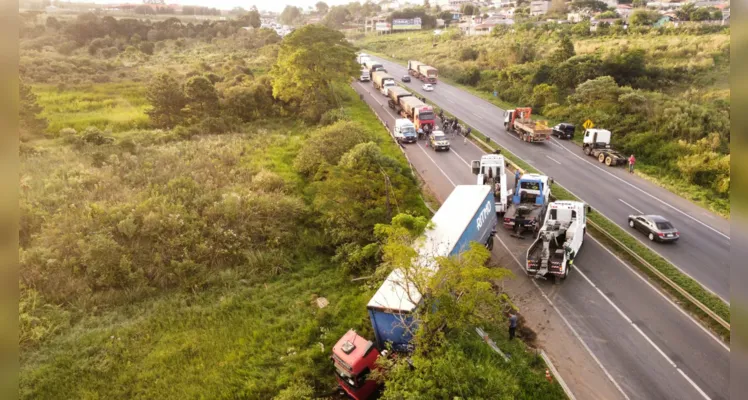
(662, 92)
(184, 203)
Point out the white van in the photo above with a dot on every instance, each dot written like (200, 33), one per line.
(405, 131)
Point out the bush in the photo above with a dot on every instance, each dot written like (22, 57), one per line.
(469, 54)
(146, 47)
(328, 144)
(332, 116)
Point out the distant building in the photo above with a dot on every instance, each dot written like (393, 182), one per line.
(539, 7)
(624, 10)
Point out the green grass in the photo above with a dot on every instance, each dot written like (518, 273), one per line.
(115, 106)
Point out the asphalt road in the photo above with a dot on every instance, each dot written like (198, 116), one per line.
(701, 252)
(648, 345)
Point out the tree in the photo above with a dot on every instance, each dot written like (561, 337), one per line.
(147, 47)
(29, 110)
(253, 19)
(251, 101)
(684, 12)
(202, 98)
(426, 4)
(591, 5)
(311, 61)
(557, 7)
(337, 16)
(700, 14)
(167, 101)
(290, 15)
(643, 18)
(469, 9)
(564, 51)
(598, 90)
(53, 23)
(322, 7)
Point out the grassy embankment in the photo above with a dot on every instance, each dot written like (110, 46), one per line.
(676, 70)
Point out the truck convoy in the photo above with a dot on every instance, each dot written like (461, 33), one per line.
(559, 240)
(422, 115)
(422, 71)
(529, 202)
(491, 171)
(519, 122)
(596, 143)
(382, 81)
(466, 216)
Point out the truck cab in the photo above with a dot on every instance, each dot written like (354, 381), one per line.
(491, 170)
(405, 131)
(425, 118)
(559, 240)
(386, 85)
(529, 202)
(596, 138)
(365, 75)
(354, 358)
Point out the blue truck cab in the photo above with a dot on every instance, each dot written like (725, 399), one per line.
(529, 202)
(468, 215)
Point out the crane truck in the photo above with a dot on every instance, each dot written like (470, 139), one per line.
(382, 81)
(491, 171)
(425, 73)
(596, 143)
(518, 121)
(559, 240)
(529, 202)
(466, 216)
(410, 107)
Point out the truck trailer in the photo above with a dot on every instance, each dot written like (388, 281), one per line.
(422, 115)
(381, 79)
(596, 143)
(466, 216)
(372, 65)
(518, 121)
(491, 171)
(425, 73)
(559, 240)
(529, 202)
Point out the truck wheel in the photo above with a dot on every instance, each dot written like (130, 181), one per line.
(601, 157)
(608, 160)
(587, 150)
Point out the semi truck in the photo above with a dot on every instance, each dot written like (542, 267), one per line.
(596, 143)
(491, 171)
(372, 65)
(529, 202)
(395, 94)
(559, 240)
(519, 122)
(422, 71)
(381, 79)
(365, 76)
(466, 216)
(422, 115)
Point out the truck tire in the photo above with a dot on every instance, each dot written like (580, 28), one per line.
(601, 157)
(489, 244)
(588, 150)
(608, 160)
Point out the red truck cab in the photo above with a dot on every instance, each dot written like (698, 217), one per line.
(354, 358)
(425, 118)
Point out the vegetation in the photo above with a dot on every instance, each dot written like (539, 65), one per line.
(662, 92)
(179, 220)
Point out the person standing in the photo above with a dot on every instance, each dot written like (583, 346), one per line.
(512, 324)
(632, 161)
(516, 177)
(467, 134)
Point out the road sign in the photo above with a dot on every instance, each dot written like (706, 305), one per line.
(588, 124)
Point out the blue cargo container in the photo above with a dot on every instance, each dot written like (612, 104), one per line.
(468, 215)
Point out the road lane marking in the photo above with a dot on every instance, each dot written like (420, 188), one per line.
(659, 292)
(435, 164)
(648, 194)
(554, 160)
(450, 101)
(477, 115)
(636, 327)
(635, 209)
(568, 325)
(458, 156)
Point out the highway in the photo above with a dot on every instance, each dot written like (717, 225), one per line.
(647, 346)
(701, 252)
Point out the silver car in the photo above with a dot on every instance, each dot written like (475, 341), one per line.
(656, 228)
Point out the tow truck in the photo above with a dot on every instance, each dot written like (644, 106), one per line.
(529, 202)
(559, 240)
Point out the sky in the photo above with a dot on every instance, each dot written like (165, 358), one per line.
(268, 5)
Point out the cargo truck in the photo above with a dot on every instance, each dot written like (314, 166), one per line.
(365, 76)
(422, 71)
(518, 121)
(466, 216)
(372, 65)
(559, 240)
(529, 202)
(491, 171)
(596, 143)
(395, 94)
(379, 79)
(422, 115)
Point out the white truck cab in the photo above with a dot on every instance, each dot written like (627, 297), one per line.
(491, 170)
(597, 136)
(385, 90)
(365, 75)
(405, 131)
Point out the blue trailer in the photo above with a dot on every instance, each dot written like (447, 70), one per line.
(468, 215)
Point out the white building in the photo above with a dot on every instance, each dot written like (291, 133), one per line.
(539, 7)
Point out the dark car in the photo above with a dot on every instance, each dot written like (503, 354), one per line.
(564, 131)
(655, 227)
(406, 78)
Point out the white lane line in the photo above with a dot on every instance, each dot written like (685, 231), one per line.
(435, 164)
(659, 292)
(648, 194)
(625, 317)
(554, 160)
(566, 322)
(458, 156)
(479, 117)
(450, 101)
(634, 208)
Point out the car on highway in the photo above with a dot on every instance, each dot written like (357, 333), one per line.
(428, 87)
(405, 78)
(438, 141)
(656, 227)
(564, 131)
